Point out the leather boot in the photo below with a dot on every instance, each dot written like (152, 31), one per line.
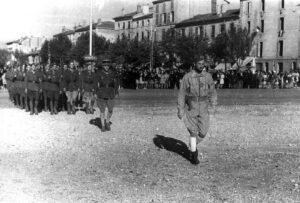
(102, 124)
(87, 108)
(26, 104)
(73, 109)
(194, 158)
(55, 107)
(51, 107)
(107, 126)
(45, 105)
(21, 102)
(69, 107)
(31, 107)
(35, 107)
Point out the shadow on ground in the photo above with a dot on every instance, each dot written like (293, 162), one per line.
(97, 122)
(172, 145)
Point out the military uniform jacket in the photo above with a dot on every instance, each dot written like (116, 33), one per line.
(107, 84)
(70, 80)
(197, 90)
(52, 80)
(32, 80)
(20, 79)
(88, 81)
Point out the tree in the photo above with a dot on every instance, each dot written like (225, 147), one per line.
(219, 48)
(60, 48)
(190, 49)
(81, 49)
(4, 57)
(44, 53)
(21, 57)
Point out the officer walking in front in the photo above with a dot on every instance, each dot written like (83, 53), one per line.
(107, 90)
(197, 91)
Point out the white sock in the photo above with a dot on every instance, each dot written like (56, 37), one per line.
(193, 144)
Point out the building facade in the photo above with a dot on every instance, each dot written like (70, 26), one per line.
(277, 24)
(104, 29)
(137, 24)
(209, 25)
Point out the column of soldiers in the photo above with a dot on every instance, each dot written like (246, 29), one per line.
(54, 89)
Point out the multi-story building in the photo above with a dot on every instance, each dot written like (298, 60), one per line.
(104, 29)
(167, 13)
(209, 25)
(277, 42)
(137, 24)
(29, 46)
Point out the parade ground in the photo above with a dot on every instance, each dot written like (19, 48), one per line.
(252, 152)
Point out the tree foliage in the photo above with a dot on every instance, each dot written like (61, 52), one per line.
(4, 57)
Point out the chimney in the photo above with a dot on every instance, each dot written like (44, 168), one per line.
(99, 21)
(139, 8)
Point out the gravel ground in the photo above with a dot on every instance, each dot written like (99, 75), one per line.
(251, 154)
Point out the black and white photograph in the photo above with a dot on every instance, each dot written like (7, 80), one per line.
(149, 101)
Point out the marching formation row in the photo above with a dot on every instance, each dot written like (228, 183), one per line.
(53, 86)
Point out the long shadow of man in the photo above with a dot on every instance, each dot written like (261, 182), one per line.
(172, 145)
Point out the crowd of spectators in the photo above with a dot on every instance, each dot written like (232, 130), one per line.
(255, 79)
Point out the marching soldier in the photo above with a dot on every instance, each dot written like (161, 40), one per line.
(32, 88)
(107, 89)
(9, 81)
(197, 91)
(71, 87)
(89, 85)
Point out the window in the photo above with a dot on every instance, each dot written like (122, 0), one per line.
(137, 23)
(249, 5)
(172, 17)
(137, 35)
(214, 6)
(222, 28)
(119, 26)
(280, 67)
(183, 32)
(143, 36)
(143, 24)
(157, 19)
(261, 46)
(128, 24)
(148, 34)
(123, 25)
(164, 8)
(280, 47)
(232, 27)
(172, 5)
(164, 18)
(262, 25)
(267, 67)
(201, 28)
(249, 26)
(263, 5)
(282, 3)
(213, 29)
(282, 23)
(190, 31)
(196, 30)
(294, 65)
(148, 22)
(157, 8)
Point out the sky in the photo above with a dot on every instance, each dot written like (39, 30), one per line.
(19, 18)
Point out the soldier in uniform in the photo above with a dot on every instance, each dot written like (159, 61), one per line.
(9, 78)
(197, 91)
(107, 89)
(71, 85)
(32, 88)
(14, 88)
(53, 88)
(20, 83)
(45, 85)
(89, 84)
(17, 86)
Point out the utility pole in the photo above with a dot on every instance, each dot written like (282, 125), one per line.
(152, 48)
(91, 28)
(49, 53)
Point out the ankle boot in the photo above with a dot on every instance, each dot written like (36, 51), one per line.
(69, 107)
(26, 104)
(35, 107)
(55, 107)
(45, 105)
(51, 108)
(194, 158)
(73, 109)
(21, 103)
(31, 107)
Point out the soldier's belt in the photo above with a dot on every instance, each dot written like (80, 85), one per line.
(34, 82)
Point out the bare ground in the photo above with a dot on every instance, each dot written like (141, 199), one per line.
(251, 154)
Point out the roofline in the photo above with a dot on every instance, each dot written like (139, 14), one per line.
(159, 1)
(150, 15)
(205, 22)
